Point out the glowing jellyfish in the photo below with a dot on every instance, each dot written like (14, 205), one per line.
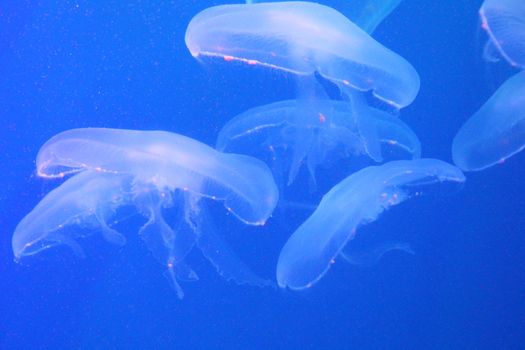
(168, 162)
(504, 21)
(150, 171)
(303, 38)
(314, 130)
(496, 131)
(355, 201)
(89, 199)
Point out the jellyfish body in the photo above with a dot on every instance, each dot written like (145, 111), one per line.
(313, 130)
(357, 200)
(303, 38)
(150, 171)
(496, 131)
(166, 161)
(87, 201)
(504, 21)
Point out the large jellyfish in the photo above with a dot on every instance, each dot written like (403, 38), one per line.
(496, 131)
(313, 130)
(167, 161)
(303, 38)
(504, 21)
(152, 171)
(357, 200)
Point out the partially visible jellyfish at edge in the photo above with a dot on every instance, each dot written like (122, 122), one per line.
(496, 131)
(504, 22)
(355, 201)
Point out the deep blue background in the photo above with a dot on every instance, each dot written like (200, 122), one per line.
(88, 63)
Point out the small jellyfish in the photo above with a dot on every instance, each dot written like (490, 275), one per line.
(496, 131)
(151, 171)
(304, 38)
(504, 21)
(87, 201)
(355, 201)
(314, 130)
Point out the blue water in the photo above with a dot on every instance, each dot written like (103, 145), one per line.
(109, 64)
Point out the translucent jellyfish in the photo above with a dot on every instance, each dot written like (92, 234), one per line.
(357, 200)
(89, 199)
(303, 38)
(314, 130)
(151, 171)
(496, 131)
(167, 161)
(504, 21)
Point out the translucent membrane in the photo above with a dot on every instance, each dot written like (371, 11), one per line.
(357, 200)
(302, 38)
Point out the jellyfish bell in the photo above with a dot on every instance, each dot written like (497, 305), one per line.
(496, 131)
(504, 22)
(303, 38)
(357, 200)
(314, 130)
(89, 199)
(167, 161)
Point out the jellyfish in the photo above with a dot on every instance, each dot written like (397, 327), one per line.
(167, 161)
(496, 131)
(304, 38)
(89, 199)
(355, 201)
(366, 14)
(151, 171)
(504, 21)
(314, 130)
